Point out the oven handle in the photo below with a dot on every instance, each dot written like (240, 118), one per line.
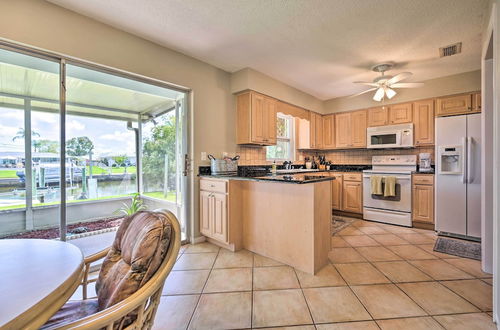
(397, 177)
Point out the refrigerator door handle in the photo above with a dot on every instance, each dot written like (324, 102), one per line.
(470, 160)
(464, 156)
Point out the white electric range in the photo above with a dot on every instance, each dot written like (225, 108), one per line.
(393, 209)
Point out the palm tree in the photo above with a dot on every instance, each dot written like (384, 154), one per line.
(21, 134)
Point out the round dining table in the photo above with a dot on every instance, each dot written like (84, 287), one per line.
(36, 278)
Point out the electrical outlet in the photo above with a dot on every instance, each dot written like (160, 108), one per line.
(203, 155)
(224, 154)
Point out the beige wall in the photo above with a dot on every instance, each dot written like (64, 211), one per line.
(463, 82)
(250, 79)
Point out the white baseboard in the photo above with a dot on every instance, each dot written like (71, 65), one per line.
(199, 239)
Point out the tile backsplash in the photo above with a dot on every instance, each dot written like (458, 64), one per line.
(257, 155)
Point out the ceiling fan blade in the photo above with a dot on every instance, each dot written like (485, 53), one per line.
(379, 95)
(398, 77)
(407, 85)
(363, 92)
(367, 83)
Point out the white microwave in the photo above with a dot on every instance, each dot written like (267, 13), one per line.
(393, 136)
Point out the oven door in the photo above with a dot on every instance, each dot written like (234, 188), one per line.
(400, 202)
(388, 139)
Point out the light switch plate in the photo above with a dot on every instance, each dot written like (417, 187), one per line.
(203, 155)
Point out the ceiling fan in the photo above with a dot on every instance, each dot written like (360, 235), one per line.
(385, 84)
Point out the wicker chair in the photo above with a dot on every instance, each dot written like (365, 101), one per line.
(136, 311)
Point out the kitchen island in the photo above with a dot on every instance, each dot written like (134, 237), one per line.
(286, 218)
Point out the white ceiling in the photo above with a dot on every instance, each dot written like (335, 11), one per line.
(317, 46)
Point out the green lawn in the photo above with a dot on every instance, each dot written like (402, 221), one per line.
(11, 174)
(159, 195)
(8, 174)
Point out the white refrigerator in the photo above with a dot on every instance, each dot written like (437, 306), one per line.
(458, 175)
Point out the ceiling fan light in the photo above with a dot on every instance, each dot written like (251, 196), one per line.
(390, 93)
(379, 95)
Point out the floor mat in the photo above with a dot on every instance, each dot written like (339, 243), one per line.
(457, 247)
(339, 223)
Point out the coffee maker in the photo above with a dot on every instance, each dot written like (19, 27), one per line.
(424, 164)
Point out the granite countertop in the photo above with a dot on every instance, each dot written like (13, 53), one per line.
(286, 178)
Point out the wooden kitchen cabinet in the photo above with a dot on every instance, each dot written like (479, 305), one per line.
(343, 130)
(476, 102)
(358, 129)
(454, 105)
(378, 116)
(328, 131)
(256, 119)
(352, 197)
(350, 129)
(400, 113)
(316, 131)
(423, 199)
(337, 191)
(219, 220)
(423, 119)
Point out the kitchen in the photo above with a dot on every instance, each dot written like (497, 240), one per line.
(400, 139)
(334, 163)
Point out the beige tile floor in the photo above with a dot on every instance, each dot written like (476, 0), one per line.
(379, 277)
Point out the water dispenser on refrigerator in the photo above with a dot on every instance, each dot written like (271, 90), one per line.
(450, 159)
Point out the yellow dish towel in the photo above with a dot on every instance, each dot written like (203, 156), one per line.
(376, 184)
(390, 186)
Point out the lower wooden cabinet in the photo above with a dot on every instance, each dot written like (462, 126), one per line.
(347, 192)
(423, 199)
(216, 206)
(352, 197)
(337, 191)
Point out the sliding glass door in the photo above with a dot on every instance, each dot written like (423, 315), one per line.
(124, 145)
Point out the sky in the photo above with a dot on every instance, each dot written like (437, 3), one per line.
(110, 137)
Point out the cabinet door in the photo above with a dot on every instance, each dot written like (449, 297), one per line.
(219, 231)
(343, 130)
(423, 203)
(423, 118)
(259, 118)
(378, 116)
(206, 213)
(400, 113)
(337, 191)
(319, 131)
(302, 133)
(328, 132)
(270, 107)
(352, 197)
(312, 130)
(358, 129)
(453, 105)
(476, 102)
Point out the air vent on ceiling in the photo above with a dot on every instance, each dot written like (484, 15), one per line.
(450, 50)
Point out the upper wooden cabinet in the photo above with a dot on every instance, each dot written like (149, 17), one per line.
(358, 129)
(350, 129)
(256, 119)
(423, 119)
(329, 132)
(343, 130)
(302, 133)
(378, 116)
(476, 102)
(400, 114)
(316, 131)
(458, 104)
